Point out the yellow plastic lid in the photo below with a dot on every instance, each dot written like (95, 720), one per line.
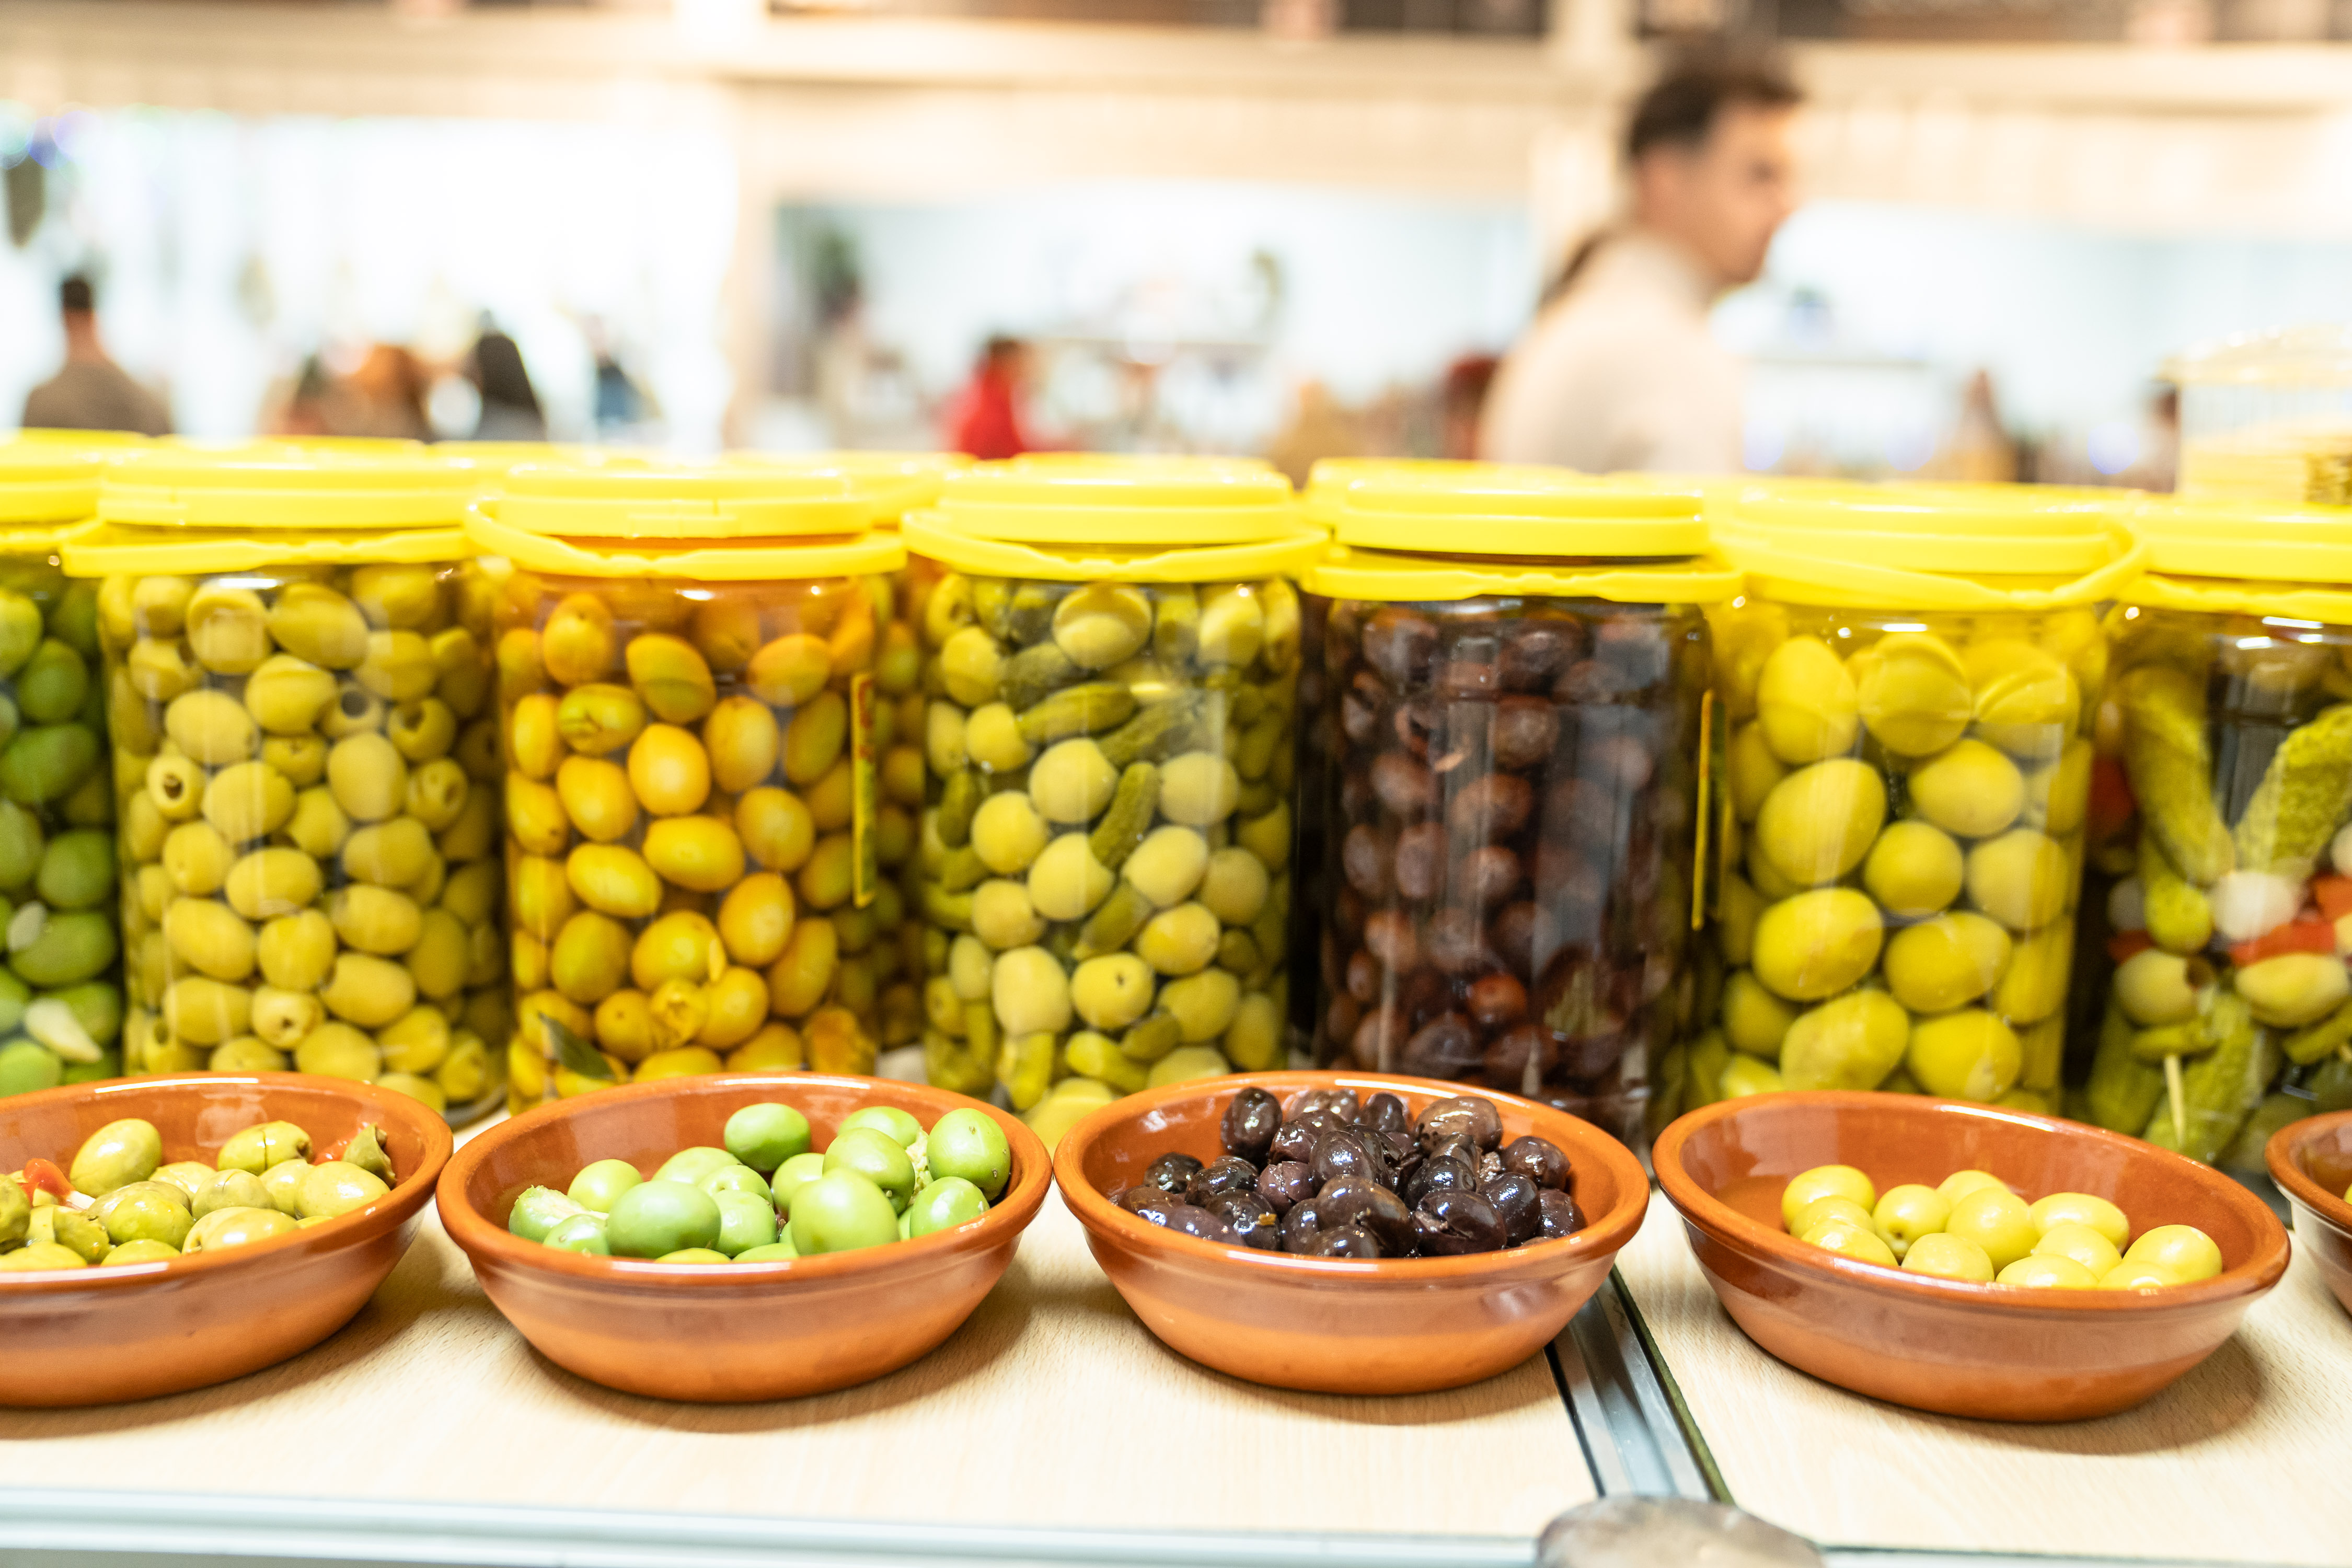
(1930, 546)
(1392, 577)
(1086, 516)
(185, 507)
(45, 481)
(1330, 477)
(1531, 513)
(896, 483)
(726, 521)
(2246, 557)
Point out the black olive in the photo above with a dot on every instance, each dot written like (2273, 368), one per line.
(1462, 1116)
(1515, 1196)
(1559, 1214)
(1250, 1124)
(1319, 1118)
(1538, 1158)
(1132, 1198)
(1441, 1174)
(1384, 1112)
(1347, 1241)
(1301, 1223)
(1292, 1142)
(1171, 1173)
(1193, 1220)
(1354, 1200)
(1228, 1174)
(1285, 1184)
(1340, 1102)
(1251, 1217)
(1344, 1152)
(1450, 1223)
(1155, 1209)
(1460, 1149)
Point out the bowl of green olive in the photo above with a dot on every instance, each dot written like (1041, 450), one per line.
(1949, 1289)
(2311, 1161)
(165, 1233)
(744, 1235)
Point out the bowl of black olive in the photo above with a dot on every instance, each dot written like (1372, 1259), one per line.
(1350, 1233)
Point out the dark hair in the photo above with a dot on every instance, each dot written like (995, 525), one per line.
(75, 294)
(499, 372)
(1000, 348)
(1682, 107)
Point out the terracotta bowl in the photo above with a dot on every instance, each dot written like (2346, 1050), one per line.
(747, 1331)
(1406, 1325)
(94, 1336)
(2312, 1163)
(1940, 1344)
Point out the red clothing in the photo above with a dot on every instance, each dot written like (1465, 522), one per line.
(986, 418)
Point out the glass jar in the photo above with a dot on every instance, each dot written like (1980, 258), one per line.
(2267, 417)
(61, 992)
(2227, 745)
(687, 691)
(1517, 664)
(1906, 771)
(1112, 663)
(297, 668)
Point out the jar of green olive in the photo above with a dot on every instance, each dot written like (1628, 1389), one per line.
(1910, 683)
(1112, 664)
(297, 647)
(60, 988)
(696, 847)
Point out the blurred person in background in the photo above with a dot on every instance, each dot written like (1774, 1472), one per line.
(510, 409)
(90, 391)
(1461, 401)
(619, 402)
(1318, 427)
(1619, 371)
(383, 395)
(984, 419)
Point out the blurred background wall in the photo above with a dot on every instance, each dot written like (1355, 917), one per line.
(1295, 226)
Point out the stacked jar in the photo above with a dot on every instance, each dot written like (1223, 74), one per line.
(1907, 772)
(1517, 665)
(297, 668)
(1111, 659)
(687, 695)
(2226, 803)
(60, 989)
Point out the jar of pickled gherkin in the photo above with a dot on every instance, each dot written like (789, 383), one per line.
(2222, 833)
(1517, 665)
(306, 768)
(1910, 683)
(689, 701)
(1112, 664)
(60, 987)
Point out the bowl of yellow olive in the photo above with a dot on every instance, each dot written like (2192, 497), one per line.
(2312, 1163)
(163, 1234)
(1967, 1259)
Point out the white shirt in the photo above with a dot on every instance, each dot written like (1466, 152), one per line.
(1620, 373)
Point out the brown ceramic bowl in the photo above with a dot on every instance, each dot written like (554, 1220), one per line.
(1405, 1325)
(1946, 1345)
(745, 1331)
(94, 1336)
(2312, 1163)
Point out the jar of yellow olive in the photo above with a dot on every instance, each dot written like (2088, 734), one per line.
(1112, 666)
(306, 771)
(1910, 684)
(688, 691)
(60, 987)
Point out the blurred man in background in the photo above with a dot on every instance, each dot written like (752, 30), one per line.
(1619, 371)
(90, 391)
(511, 410)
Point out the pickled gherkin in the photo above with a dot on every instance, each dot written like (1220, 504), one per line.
(1096, 779)
(2231, 744)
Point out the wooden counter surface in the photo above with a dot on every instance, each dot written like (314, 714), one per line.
(2244, 1460)
(1051, 1406)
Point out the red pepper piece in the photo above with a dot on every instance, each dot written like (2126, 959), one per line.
(2295, 936)
(46, 1177)
(2124, 943)
(2334, 895)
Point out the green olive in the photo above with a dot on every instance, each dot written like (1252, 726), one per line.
(230, 1190)
(945, 1204)
(1816, 944)
(1820, 821)
(1912, 694)
(1908, 1212)
(1946, 962)
(899, 1125)
(257, 1149)
(746, 1220)
(1914, 869)
(537, 1211)
(1967, 1055)
(335, 1188)
(764, 1136)
(2023, 879)
(146, 1211)
(878, 1158)
(1806, 703)
(844, 1210)
(225, 1228)
(601, 1183)
(969, 1145)
(116, 1155)
(1754, 1020)
(1971, 790)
